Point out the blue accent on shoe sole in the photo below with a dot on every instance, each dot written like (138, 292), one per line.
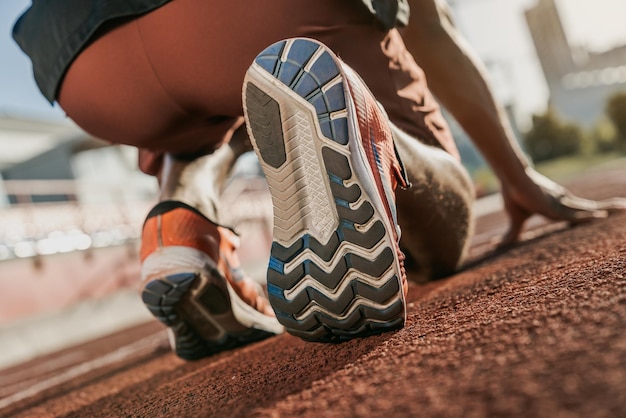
(341, 202)
(277, 265)
(309, 84)
(275, 291)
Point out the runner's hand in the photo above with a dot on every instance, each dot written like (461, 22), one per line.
(541, 196)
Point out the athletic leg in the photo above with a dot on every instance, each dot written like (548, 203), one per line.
(435, 213)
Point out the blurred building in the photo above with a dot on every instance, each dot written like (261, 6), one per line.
(71, 210)
(71, 214)
(44, 161)
(579, 80)
(62, 190)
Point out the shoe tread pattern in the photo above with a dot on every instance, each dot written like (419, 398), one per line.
(347, 286)
(166, 297)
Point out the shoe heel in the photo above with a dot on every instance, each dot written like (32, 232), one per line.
(161, 297)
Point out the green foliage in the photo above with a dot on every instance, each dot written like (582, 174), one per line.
(485, 182)
(551, 138)
(616, 112)
(567, 168)
(603, 137)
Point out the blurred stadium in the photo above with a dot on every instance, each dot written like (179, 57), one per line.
(71, 212)
(72, 206)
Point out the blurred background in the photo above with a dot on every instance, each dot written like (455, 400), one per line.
(71, 207)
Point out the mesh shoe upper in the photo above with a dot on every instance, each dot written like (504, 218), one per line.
(379, 147)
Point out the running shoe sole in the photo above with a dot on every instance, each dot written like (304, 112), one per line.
(334, 272)
(202, 310)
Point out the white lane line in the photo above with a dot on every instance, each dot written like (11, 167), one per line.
(22, 376)
(74, 372)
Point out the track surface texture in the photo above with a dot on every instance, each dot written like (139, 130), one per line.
(538, 331)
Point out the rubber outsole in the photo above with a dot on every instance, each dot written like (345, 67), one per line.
(334, 272)
(198, 310)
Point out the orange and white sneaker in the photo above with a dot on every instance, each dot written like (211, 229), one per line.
(193, 283)
(336, 270)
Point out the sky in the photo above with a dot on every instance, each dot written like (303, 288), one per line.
(495, 28)
(18, 93)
